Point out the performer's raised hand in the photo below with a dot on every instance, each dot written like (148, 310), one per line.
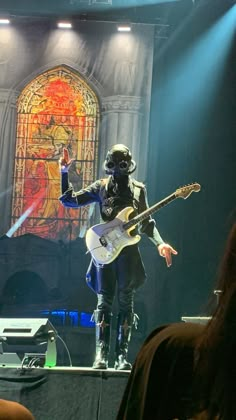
(166, 251)
(65, 161)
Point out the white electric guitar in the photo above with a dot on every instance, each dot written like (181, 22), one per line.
(106, 240)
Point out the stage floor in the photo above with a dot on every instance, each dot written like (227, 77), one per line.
(65, 393)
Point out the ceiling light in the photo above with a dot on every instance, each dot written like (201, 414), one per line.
(4, 21)
(65, 25)
(124, 28)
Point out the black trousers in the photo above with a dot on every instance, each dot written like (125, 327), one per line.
(124, 274)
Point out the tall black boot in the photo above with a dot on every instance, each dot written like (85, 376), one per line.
(124, 327)
(103, 332)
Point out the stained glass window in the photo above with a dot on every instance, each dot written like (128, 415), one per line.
(57, 109)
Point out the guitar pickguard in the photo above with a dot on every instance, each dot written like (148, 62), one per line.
(106, 240)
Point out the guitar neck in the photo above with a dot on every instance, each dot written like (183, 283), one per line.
(148, 212)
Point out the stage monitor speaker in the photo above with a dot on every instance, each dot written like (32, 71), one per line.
(30, 331)
(10, 359)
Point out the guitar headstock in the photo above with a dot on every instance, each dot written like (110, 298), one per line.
(184, 192)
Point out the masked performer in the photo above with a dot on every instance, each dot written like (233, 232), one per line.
(126, 273)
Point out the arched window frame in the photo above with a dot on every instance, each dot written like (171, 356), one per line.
(57, 109)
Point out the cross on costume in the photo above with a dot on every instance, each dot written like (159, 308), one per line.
(114, 193)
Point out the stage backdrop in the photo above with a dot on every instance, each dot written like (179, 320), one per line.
(87, 88)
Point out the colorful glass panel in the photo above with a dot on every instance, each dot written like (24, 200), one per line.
(57, 109)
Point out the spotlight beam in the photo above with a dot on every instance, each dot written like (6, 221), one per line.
(23, 217)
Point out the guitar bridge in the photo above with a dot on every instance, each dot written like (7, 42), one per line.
(103, 241)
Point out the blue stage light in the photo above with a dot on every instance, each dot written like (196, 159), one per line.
(74, 318)
(86, 320)
(63, 317)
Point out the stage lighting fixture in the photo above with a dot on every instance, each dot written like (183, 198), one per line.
(30, 331)
(4, 21)
(101, 2)
(64, 25)
(124, 28)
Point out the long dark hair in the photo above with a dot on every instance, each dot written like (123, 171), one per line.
(216, 350)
